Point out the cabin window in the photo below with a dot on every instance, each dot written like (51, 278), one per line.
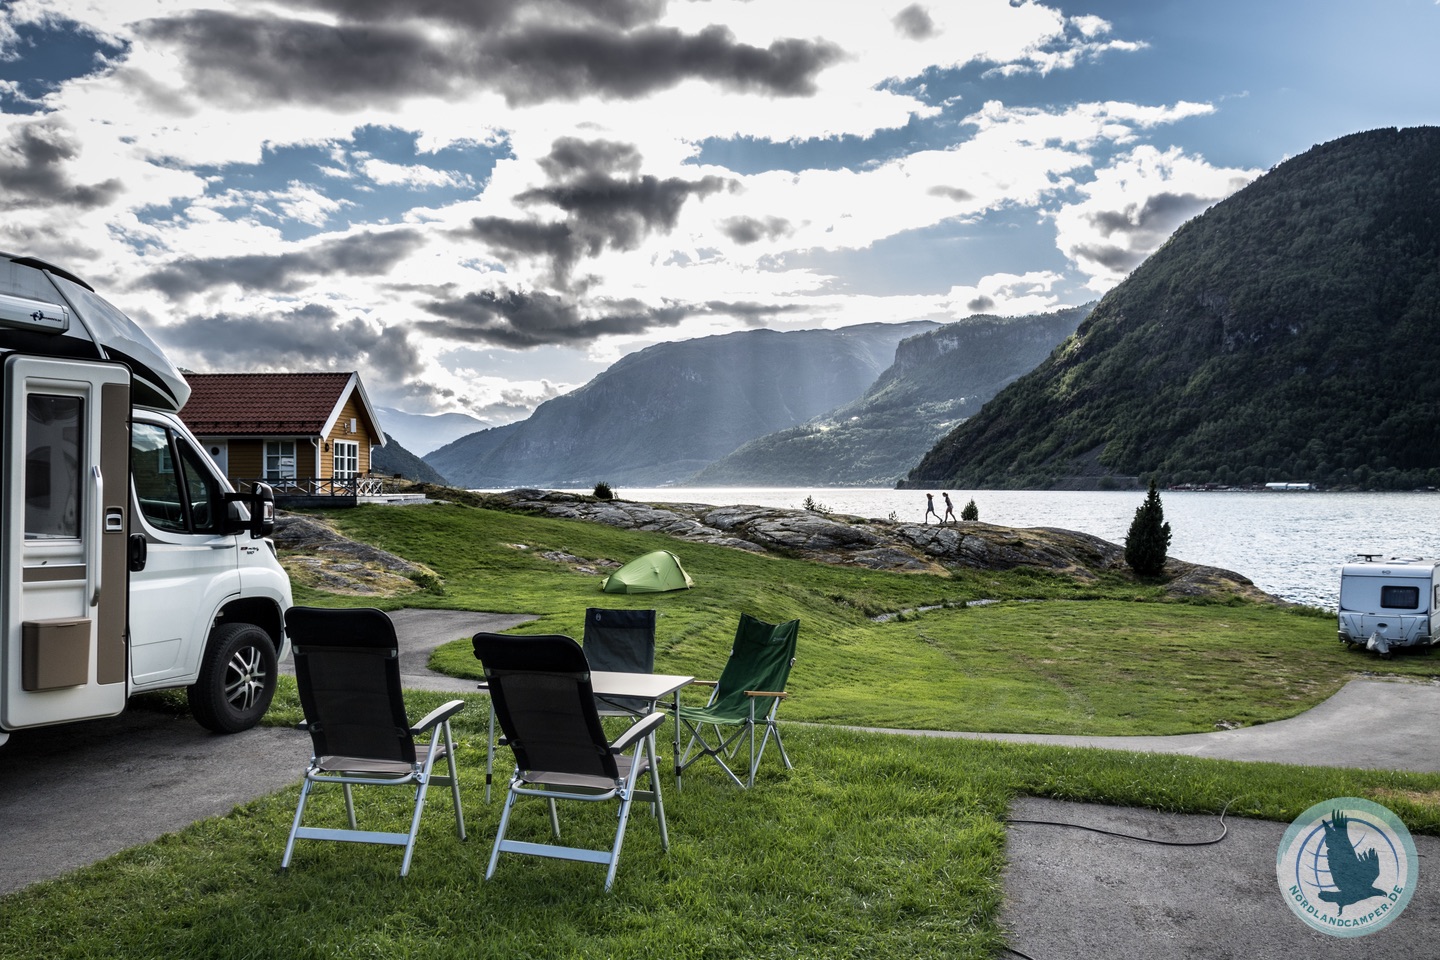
(52, 467)
(279, 459)
(1399, 598)
(347, 459)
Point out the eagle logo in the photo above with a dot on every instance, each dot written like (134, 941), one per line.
(1353, 874)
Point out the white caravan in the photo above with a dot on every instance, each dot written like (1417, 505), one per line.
(129, 563)
(1388, 603)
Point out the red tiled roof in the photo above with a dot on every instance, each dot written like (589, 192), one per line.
(270, 404)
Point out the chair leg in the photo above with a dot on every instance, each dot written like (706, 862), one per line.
(420, 792)
(350, 806)
(454, 781)
(659, 805)
(500, 833)
(554, 819)
(619, 835)
(295, 827)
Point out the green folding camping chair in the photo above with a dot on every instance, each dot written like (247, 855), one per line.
(746, 696)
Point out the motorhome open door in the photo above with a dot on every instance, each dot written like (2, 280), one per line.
(63, 505)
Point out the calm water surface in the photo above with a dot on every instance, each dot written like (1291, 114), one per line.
(1289, 544)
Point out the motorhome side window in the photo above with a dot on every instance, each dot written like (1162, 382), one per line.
(1399, 598)
(175, 493)
(52, 467)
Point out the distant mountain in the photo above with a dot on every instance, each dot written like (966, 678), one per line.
(424, 432)
(659, 415)
(938, 378)
(395, 460)
(1288, 333)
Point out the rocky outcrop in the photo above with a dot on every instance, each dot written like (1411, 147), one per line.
(874, 544)
(317, 555)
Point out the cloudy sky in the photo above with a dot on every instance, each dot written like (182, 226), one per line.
(480, 204)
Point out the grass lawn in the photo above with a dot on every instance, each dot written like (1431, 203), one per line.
(873, 846)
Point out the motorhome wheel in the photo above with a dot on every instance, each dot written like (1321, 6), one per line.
(237, 679)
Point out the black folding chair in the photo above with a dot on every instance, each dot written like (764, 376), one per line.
(540, 688)
(348, 670)
(620, 641)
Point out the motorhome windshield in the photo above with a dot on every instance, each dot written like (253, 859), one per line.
(123, 340)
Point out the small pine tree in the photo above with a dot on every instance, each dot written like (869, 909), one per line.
(970, 511)
(1149, 537)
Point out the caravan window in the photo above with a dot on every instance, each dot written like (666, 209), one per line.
(1399, 598)
(52, 467)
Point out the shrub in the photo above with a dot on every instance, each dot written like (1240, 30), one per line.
(970, 511)
(603, 491)
(1149, 537)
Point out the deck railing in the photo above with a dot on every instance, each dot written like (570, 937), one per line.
(349, 487)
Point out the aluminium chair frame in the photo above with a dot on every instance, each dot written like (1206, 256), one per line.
(353, 771)
(726, 747)
(420, 775)
(553, 785)
(720, 745)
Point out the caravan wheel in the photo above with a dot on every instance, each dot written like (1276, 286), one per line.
(237, 679)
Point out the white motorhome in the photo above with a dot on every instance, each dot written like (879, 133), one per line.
(1388, 603)
(129, 563)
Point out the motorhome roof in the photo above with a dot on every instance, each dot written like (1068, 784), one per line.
(94, 324)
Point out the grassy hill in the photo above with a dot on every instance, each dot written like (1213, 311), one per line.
(1288, 333)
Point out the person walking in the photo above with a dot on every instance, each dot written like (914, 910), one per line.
(930, 508)
(949, 509)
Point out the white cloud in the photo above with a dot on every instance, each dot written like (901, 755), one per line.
(1134, 204)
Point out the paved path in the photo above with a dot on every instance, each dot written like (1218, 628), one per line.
(1372, 724)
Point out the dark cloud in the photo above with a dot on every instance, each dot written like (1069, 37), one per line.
(602, 211)
(980, 304)
(746, 230)
(489, 14)
(242, 59)
(536, 319)
(565, 63)
(914, 22)
(572, 155)
(300, 340)
(32, 170)
(363, 255)
(362, 61)
(1161, 213)
(957, 194)
(1109, 256)
(753, 314)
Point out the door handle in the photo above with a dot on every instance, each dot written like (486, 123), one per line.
(92, 564)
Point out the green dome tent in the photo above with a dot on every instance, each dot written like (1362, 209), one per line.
(653, 573)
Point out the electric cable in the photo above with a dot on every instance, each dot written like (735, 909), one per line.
(1224, 829)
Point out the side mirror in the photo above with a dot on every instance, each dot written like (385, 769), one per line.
(260, 506)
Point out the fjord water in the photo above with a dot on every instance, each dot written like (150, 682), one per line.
(1290, 544)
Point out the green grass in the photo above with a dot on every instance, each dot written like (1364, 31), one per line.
(875, 845)
(1053, 656)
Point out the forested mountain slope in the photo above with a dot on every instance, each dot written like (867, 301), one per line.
(659, 415)
(1288, 333)
(937, 379)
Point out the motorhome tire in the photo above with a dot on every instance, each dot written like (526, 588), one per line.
(237, 679)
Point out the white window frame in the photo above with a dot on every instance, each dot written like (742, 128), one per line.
(346, 459)
(275, 454)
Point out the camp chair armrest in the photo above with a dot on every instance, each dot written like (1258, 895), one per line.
(437, 716)
(766, 693)
(704, 683)
(636, 731)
